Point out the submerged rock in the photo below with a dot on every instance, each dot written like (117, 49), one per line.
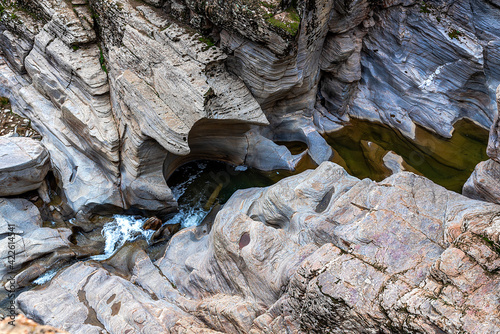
(24, 163)
(320, 251)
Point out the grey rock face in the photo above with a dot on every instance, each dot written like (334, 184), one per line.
(113, 112)
(429, 64)
(319, 251)
(31, 241)
(108, 136)
(484, 183)
(24, 163)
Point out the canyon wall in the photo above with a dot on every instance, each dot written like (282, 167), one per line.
(123, 92)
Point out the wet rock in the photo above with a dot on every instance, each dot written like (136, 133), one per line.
(152, 223)
(24, 163)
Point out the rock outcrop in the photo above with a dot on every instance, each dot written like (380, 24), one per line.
(22, 234)
(408, 63)
(316, 252)
(24, 163)
(484, 183)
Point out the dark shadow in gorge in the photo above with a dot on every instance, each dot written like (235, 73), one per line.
(222, 140)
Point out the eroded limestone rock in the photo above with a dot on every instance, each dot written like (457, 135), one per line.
(319, 251)
(24, 163)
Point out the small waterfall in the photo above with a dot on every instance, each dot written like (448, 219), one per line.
(119, 231)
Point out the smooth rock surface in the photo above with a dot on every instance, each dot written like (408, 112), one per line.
(24, 163)
(317, 252)
(30, 240)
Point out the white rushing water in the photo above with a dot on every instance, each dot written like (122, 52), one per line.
(49, 274)
(119, 231)
(129, 228)
(193, 214)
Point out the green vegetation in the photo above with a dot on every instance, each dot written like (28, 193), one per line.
(424, 8)
(4, 102)
(102, 60)
(454, 34)
(207, 40)
(75, 47)
(290, 24)
(268, 5)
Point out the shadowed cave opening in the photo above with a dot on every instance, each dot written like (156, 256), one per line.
(200, 185)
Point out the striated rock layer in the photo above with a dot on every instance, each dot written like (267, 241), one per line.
(317, 252)
(24, 163)
(484, 183)
(123, 92)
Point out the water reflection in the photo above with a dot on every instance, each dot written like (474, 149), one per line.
(447, 162)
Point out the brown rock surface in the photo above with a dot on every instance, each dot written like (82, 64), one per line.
(23, 325)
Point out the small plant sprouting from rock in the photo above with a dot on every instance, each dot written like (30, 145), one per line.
(454, 34)
(102, 60)
(75, 47)
(208, 41)
(290, 22)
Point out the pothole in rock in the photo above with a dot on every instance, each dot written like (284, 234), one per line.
(200, 185)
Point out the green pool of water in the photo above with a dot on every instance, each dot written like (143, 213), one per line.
(359, 147)
(447, 162)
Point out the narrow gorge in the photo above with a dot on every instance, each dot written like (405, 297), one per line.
(250, 166)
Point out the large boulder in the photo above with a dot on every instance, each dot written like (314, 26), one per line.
(317, 252)
(22, 234)
(24, 163)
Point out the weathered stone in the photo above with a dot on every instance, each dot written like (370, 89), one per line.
(24, 163)
(316, 252)
(30, 241)
(24, 325)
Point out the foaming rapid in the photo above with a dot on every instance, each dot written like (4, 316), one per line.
(122, 229)
(46, 277)
(190, 214)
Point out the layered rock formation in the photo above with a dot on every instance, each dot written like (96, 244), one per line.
(320, 251)
(23, 240)
(24, 163)
(125, 92)
(108, 147)
(428, 63)
(484, 183)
